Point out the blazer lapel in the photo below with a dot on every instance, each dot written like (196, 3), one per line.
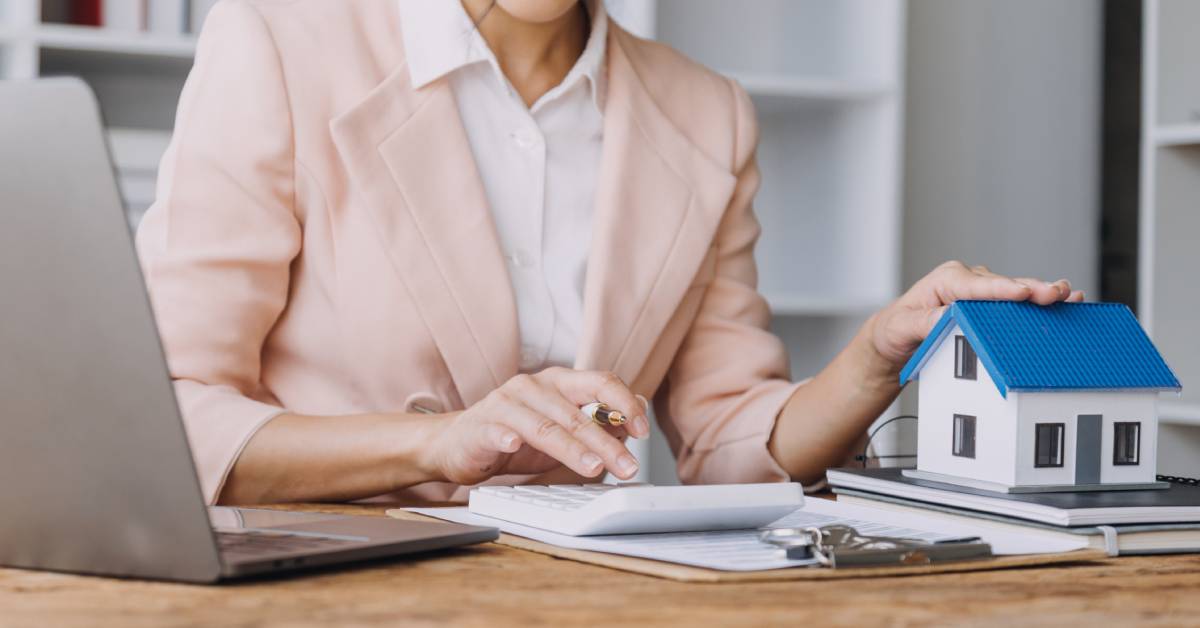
(407, 153)
(658, 204)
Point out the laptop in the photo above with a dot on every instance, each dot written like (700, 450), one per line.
(95, 471)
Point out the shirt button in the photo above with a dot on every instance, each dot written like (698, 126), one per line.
(522, 259)
(525, 138)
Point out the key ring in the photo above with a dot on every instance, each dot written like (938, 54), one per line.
(826, 543)
(805, 541)
(842, 545)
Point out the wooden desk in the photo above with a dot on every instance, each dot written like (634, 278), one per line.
(495, 585)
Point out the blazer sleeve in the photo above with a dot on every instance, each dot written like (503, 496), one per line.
(217, 245)
(731, 376)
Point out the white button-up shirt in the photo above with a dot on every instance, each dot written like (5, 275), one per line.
(538, 164)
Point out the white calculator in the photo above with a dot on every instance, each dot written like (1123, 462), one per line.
(589, 509)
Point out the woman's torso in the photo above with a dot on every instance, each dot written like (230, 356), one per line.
(398, 294)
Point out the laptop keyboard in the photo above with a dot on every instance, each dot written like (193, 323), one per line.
(255, 543)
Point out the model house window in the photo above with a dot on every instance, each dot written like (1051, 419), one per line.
(964, 436)
(1048, 444)
(964, 359)
(1126, 442)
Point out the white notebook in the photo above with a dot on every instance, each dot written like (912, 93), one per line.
(1178, 504)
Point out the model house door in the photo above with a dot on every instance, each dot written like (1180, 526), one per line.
(1087, 449)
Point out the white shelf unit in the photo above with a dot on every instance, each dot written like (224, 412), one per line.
(98, 40)
(827, 79)
(137, 77)
(1177, 135)
(1169, 219)
(1179, 412)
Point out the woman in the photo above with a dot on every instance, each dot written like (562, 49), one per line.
(399, 243)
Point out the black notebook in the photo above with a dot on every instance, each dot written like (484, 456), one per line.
(1178, 504)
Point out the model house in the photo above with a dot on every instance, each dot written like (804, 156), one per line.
(1016, 397)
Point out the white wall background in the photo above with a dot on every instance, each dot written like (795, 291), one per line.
(1003, 137)
(1002, 140)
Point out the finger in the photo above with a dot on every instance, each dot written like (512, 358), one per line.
(1043, 292)
(954, 283)
(1077, 296)
(1064, 289)
(499, 438)
(1038, 292)
(482, 449)
(544, 383)
(912, 325)
(583, 387)
(548, 402)
(640, 425)
(548, 436)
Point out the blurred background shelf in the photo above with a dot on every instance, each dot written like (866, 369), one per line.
(781, 93)
(809, 88)
(137, 75)
(99, 40)
(1179, 412)
(1177, 135)
(1168, 303)
(784, 304)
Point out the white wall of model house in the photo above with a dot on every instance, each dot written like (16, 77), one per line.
(940, 397)
(1005, 426)
(1065, 407)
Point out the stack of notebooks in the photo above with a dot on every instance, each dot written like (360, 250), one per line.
(1119, 522)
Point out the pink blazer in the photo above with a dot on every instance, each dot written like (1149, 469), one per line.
(321, 243)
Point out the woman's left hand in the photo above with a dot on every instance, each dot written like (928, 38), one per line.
(901, 327)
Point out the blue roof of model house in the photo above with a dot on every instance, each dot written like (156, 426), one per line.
(1065, 346)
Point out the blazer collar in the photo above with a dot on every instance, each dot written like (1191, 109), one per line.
(658, 205)
(659, 202)
(439, 38)
(408, 156)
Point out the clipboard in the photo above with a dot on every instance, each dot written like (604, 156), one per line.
(687, 573)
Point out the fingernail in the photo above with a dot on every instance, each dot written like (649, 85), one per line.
(508, 441)
(641, 426)
(591, 462)
(627, 465)
(645, 404)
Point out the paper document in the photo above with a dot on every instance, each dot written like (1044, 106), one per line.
(740, 550)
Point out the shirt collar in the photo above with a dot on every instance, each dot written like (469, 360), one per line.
(439, 38)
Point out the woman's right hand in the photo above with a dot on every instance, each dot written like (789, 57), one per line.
(532, 424)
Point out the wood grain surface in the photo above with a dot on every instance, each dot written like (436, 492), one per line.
(494, 585)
